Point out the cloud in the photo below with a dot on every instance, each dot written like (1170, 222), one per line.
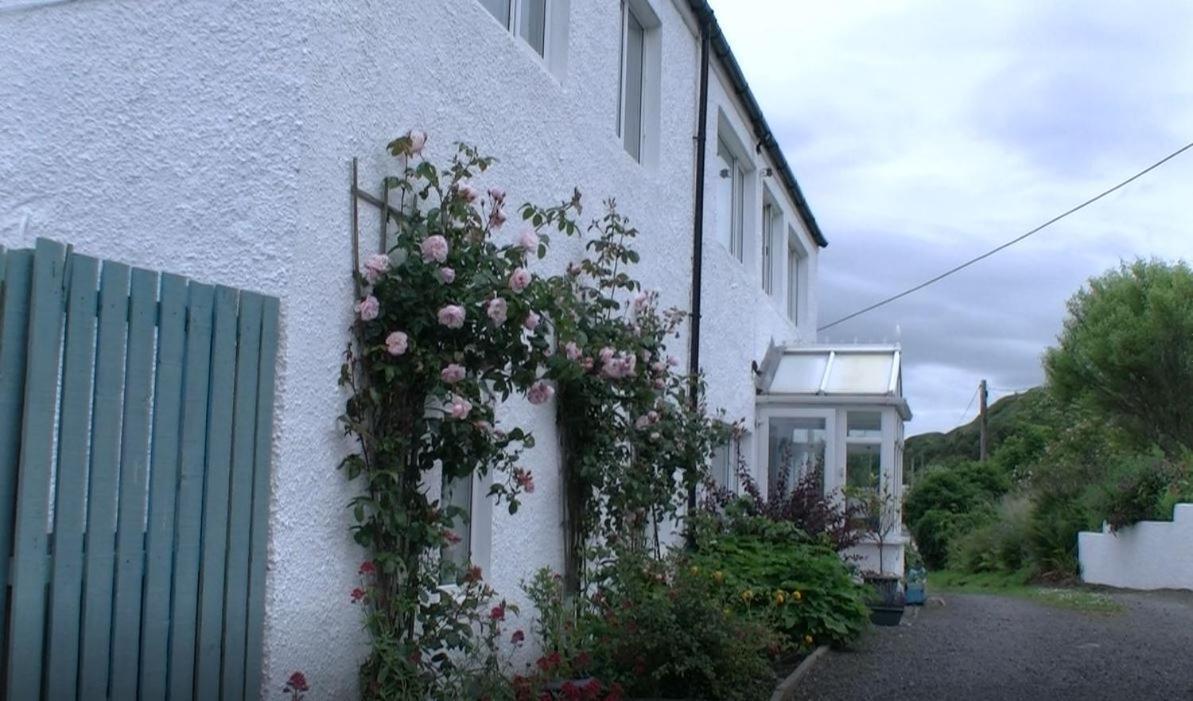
(925, 133)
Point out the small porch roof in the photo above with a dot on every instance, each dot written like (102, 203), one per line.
(826, 374)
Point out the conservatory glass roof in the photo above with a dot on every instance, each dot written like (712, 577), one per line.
(832, 370)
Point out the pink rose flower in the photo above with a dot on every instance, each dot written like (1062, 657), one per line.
(571, 350)
(459, 408)
(641, 422)
(529, 240)
(497, 195)
(524, 480)
(586, 363)
(447, 275)
(453, 373)
(641, 300)
(368, 308)
(497, 309)
(540, 392)
(434, 248)
(418, 139)
(496, 218)
(672, 360)
(519, 279)
(531, 322)
(605, 354)
(375, 266)
(452, 316)
(396, 343)
(467, 191)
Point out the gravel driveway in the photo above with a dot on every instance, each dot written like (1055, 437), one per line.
(977, 647)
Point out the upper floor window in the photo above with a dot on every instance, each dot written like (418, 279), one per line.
(794, 276)
(542, 24)
(730, 200)
(769, 215)
(638, 98)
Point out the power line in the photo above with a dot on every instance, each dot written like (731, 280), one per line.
(1013, 241)
(969, 406)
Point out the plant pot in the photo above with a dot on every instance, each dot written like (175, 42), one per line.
(885, 615)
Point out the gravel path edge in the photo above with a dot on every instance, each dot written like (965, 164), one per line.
(785, 691)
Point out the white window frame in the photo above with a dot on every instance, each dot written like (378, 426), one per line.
(833, 475)
(480, 524)
(772, 221)
(795, 274)
(736, 172)
(650, 80)
(555, 31)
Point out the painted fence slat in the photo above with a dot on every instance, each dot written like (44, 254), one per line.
(163, 482)
(99, 543)
(14, 326)
(259, 538)
(189, 509)
(74, 427)
(215, 503)
(33, 478)
(240, 503)
(142, 407)
(134, 464)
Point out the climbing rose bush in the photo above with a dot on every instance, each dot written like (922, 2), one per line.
(448, 323)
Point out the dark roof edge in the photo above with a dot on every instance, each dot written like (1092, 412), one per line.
(762, 131)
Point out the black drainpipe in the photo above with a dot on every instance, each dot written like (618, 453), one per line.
(698, 232)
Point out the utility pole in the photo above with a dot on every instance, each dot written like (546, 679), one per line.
(984, 440)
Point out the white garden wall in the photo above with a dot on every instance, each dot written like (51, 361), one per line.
(1148, 555)
(213, 139)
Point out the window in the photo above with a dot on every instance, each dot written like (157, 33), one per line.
(730, 200)
(723, 466)
(863, 456)
(793, 277)
(633, 51)
(797, 448)
(456, 557)
(535, 21)
(768, 242)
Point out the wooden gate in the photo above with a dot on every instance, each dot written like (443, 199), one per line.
(135, 434)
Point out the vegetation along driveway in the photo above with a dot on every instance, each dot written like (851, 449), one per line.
(1053, 645)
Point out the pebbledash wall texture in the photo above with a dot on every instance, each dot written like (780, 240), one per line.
(214, 139)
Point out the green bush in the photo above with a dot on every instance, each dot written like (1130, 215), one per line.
(1055, 521)
(659, 629)
(1142, 489)
(997, 545)
(948, 501)
(805, 590)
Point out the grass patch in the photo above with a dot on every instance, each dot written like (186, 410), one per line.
(1018, 584)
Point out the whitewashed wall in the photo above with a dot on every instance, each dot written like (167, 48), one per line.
(213, 139)
(1148, 555)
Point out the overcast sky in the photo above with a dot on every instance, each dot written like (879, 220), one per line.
(924, 133)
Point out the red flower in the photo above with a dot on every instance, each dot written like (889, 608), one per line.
(367, 567)
(517, 637)
(639, 666)
(571, 692)
(415, 657)
(548, 662)
(615, 692)
(581, 660)
(498, 613)
(297, 682)
(524, 479)
(357, 594)
(451, 537)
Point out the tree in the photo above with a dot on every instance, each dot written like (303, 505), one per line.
(1126, 350)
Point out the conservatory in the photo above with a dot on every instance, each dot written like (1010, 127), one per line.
(837, 412)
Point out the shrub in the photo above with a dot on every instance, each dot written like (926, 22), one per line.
(1140, 491)
(805, 589)
(1055, 521)
(659, 629)
(997, 545)
(948, 501)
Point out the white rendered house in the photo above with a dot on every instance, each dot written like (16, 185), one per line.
(215, 140)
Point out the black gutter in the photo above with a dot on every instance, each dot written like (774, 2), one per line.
(766, 138)
(698, 235)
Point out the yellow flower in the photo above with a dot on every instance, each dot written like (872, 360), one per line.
(718, 576)
(796, 595)
(808, 640)
(747, 595)
(695, 570)
(780, 597)
(726, 611)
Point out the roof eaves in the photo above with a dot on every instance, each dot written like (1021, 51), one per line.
(762, 131)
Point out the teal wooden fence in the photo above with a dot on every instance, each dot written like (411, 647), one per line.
(136, 416)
